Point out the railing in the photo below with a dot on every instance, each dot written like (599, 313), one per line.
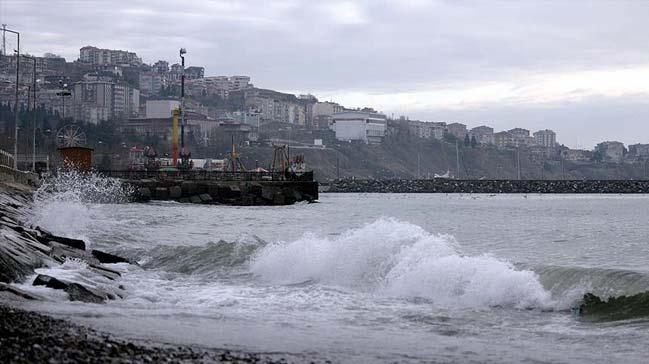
(208, 175)
(6, 159)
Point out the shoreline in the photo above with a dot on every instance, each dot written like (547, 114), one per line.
(33, 337)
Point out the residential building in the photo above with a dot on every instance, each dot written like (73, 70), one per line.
(504, 139)
(319, 114)
(577, 155)
(161, 67)
(521, 137)
(97, 56)
(546, 138)
(93, 101)
(192, 73)
(368, 127)
(157, 109)
(483, 134)
(640, 151)
(611, 151)
(126, 101)
(239, 83)
(150, 83)
(427, 129)
(458, 130)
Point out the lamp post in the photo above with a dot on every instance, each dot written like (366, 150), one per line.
(182, 100)
(33, 89)
(4, 29)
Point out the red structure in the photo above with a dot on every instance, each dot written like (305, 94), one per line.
(79, 158)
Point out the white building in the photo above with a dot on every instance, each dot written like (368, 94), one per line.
(545, 138)
(150, 83)
(367, 127)
(158, 109)
(93, 101)
(126, 101)
(97, 56)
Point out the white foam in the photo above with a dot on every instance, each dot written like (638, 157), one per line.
(62, 203)
(400, 259)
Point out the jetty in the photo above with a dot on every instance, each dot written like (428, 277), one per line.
(243, 188)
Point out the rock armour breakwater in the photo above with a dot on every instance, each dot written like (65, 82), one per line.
(489, 186)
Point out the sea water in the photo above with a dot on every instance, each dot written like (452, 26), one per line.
(369, 277)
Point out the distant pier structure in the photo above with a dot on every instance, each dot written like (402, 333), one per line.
(247, 188)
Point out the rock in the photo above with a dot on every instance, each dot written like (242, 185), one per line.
(72, 243)
(78, 292)
(104, 257)
(195, 199)
(161, 193)
(184, 200)
(60, 252)
(175, 192)
(18, 292)
(50, 282)
(144, 193)
(205, 197)
(188, 188)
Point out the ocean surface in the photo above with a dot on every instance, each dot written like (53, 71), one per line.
(370, 277)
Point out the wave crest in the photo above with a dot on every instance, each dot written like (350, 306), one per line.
(400, 259)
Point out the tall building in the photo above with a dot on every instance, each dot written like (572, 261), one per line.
(368, 127)
(545, 138)
(93, 101)
(611, 151)
(458, 130)
(98, 56)
(150, 83)
(483, 134)
(126, 101)
(192, 73)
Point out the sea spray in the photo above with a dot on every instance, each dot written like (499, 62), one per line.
(61, 203)
(396, 258)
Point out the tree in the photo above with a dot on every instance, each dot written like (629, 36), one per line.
(467, 141)
(474, 142)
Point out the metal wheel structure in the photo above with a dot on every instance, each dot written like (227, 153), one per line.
(70, 136)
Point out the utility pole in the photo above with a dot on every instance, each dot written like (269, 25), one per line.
(563, 170)
(4, 41)
(518, 163)
(182, 101)
(337, 167)
(418, 165)
(34, 116)
(4, 29)
(33, 89)
(457, 160)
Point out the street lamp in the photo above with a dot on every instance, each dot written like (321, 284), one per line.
(182, 100)
(4, 29)
(33, 112)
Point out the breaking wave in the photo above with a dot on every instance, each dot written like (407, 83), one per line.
(395, 258)
(61, 202)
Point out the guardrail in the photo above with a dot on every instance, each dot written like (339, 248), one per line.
(208, 175)
(6, 159)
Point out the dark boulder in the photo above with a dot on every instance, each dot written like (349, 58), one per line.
(50, 282)
(78, 292)
(108, 258)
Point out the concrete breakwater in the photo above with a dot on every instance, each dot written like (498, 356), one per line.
(25, 248)
(440, 185)
(245, 193)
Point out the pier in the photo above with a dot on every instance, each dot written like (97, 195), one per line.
(220, 187)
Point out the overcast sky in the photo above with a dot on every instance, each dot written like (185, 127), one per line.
(578, 67)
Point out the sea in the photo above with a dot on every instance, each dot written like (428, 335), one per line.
(366, 278)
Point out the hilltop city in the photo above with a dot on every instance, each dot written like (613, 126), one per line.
(124, 105)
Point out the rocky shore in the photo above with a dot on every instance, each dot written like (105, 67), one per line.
(30, 337)
(440, 185)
